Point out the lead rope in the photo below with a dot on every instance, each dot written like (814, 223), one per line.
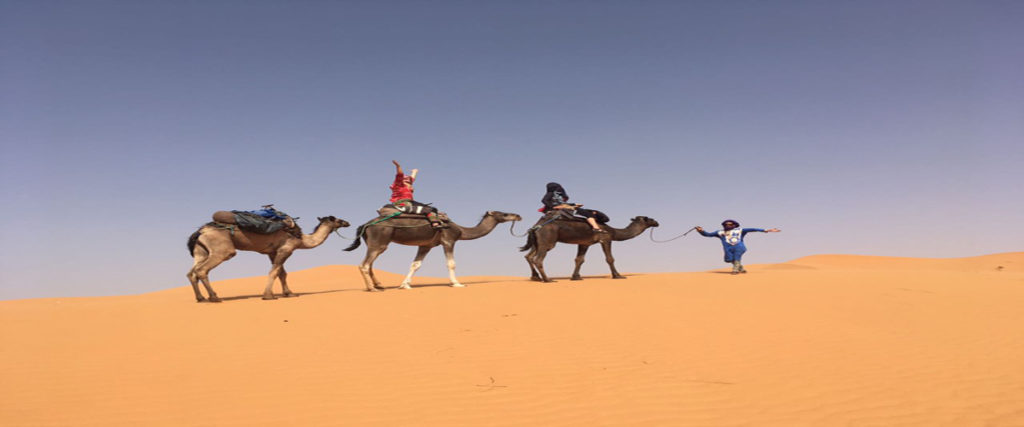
(553, 218)
(512, 227)
(674, 238)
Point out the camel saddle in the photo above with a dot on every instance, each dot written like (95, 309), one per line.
(252, 222)
(562, 215)
(389, 210)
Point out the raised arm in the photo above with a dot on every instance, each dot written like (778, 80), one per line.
(705, 233)
(761, 230)
(398, 168)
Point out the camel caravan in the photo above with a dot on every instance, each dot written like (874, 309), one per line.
(404, 221)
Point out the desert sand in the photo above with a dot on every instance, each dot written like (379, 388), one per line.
(819, 341)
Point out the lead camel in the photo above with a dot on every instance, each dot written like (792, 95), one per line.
(541, 240)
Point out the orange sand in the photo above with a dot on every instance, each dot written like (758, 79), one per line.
(820, 341)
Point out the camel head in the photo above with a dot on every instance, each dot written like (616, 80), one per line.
(333, 222)
(647, 222)
(503, 217)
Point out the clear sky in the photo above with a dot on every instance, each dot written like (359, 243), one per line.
(860, 127)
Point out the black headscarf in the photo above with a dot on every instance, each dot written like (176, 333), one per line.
(549, 197)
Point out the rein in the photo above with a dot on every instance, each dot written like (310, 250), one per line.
(339, 234)
(535, 227)
(512, 227)
(674, 238)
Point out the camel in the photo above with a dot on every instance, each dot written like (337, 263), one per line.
(417, 232)
(543, 239)
(212, 244)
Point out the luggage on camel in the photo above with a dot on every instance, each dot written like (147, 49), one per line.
(569, 215)
(392, 211)
(263, 221)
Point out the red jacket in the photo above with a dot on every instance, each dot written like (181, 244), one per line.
(399, 189)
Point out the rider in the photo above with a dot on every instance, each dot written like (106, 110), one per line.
(401, 196)
(732, 241)
(556, 198)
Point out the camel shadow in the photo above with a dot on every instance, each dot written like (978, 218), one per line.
(602, 276)
(446, 284)
(296, 295)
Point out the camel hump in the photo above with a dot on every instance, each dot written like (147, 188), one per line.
(256, 223)
(224, 217)
(563, 215)
(441, 216)
(393, 212)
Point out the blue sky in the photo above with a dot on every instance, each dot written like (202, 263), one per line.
(871, 127)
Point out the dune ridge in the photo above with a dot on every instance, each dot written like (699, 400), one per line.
(818, 341)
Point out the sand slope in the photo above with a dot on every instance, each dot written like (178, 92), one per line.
(820, 341)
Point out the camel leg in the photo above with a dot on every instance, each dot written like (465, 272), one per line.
(449, 254)
(606, 246)
(372, 285)
(199, 258)
(276, 264)
(203, 272)
(529, 261)
(416, 263)
(581, 253)
(282, 275)
(538, 262)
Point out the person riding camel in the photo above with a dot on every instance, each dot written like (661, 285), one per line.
(401, 197)
(557, 199)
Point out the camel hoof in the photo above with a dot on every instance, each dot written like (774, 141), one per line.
(214, 299)
(618, 277)
(269, 297)
(405, 286)
(290, 295)
(576, 278)
(536, 279)
(374, 289)
(458, 285)
(200, 299)
(549, 281)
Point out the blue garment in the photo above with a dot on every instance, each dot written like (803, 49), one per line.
(732, 241)
(269, 213)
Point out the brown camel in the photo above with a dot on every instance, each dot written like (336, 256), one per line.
(543, 239)
(213, 244)
(417, 232)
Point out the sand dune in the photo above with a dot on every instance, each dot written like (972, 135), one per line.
(820, 341)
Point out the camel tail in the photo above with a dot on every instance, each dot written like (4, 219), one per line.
(531, 241)
(192, 240)
(359, 239)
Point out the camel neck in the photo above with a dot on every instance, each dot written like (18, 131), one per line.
(316, 238)
(632, 230)
(485, 226)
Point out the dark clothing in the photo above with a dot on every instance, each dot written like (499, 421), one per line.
(554, 197)
(410, 206)
(598, 216)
